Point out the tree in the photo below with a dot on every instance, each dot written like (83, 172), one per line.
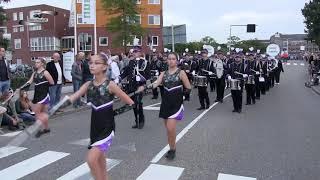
(208, 41)
(233, 40)
(124, 22)
(311, 13)
(245, 45)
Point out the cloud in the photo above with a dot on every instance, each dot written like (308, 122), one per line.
(171, 18)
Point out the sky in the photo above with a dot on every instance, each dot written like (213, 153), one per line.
(214, 17)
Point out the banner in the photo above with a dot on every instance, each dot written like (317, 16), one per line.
(68, 60)
(88, 11)
(72, 19)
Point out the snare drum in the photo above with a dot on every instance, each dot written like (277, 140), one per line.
(200, 81)
(235, 84)
(250, 79)
(2, 110)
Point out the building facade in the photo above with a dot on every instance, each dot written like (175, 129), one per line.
(295, 44)
(150, 16)
(179, 33)
(28, 42)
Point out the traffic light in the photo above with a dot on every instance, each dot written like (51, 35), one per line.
(251, 28)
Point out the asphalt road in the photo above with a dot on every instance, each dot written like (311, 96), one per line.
(276, 139)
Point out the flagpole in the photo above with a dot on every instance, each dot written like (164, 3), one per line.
(95, 27)
(75, 27)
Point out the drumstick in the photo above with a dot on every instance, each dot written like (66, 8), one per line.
(207, 71)
(238, 73)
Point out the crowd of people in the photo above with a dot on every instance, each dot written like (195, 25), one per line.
(102, 77)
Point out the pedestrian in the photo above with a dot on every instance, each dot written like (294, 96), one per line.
(176, 84)
(42, 80)
(76, 73)
(86, 75)
(4, 73)
(100, 94)
(54, 67)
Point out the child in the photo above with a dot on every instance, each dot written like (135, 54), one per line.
(100, 94)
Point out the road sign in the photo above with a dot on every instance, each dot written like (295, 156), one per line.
(38, 20)
(273, 50)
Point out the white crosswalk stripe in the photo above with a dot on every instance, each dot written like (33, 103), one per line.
(222, 176)
(295, 64)
(11, 134)
(160, 172)
(83, 171)
(9, 150)
(31, 165)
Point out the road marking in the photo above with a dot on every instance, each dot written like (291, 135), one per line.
(152, 108)
(302, 64)
(295, 64)
(160, 172)
(83, 171)
(288, 63)
(8, 150)
(184, 131)
(11, 134)
(222, 176)
(31, 165)
(81, 142)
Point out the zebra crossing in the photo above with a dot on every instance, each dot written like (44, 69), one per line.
(293, 64)
(29, 165)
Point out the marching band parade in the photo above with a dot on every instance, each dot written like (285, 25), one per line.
(108, 86)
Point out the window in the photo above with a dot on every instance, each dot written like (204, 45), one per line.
(19, 61)
(155, 40)
(154, 1)
(4, 30)
(35, 28)
(103, 41)
(67, 42)
(139, 43)
(15, 29)
(85, 42)
(79, 1)
(17, 44)
(154, 19)
(21, 28)
(138, 1)
(138, 19)
(20, 15)
(79, 18)
(44, 44)
(15, 16)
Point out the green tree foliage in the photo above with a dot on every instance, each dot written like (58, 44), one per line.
(209, 41)
(255, 43)
(123, 22)
(311, 13)
(233, 40)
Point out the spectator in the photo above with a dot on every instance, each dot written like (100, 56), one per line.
(4, 72)
(54, 67)
(23, 108)
(76, 74)
(114, 69)
(86, 74)
(10, 117)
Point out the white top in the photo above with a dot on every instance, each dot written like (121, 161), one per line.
(58, 67)
(115, 71)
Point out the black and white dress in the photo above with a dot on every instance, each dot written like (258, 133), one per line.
(102, 116)
(172, 99)
(41, 89)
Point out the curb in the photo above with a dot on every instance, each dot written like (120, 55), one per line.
(316, 90)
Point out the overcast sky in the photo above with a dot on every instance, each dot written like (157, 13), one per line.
(214, 17)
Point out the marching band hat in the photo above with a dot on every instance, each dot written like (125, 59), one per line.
(204, 51)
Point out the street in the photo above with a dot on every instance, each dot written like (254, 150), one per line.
(275, 139)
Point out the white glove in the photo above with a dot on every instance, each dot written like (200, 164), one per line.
(229, 77)
(210, 73)
(245, 76)
(193, 73)
(157, 73)
(187, 71)
(138, 78)
(257, 73)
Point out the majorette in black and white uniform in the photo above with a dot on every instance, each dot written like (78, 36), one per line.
(172, 99)
(41, 89)
(102, 116)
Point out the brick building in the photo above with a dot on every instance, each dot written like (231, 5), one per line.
(30, 42)
(150, 18)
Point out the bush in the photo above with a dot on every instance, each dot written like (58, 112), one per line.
(17, 82)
